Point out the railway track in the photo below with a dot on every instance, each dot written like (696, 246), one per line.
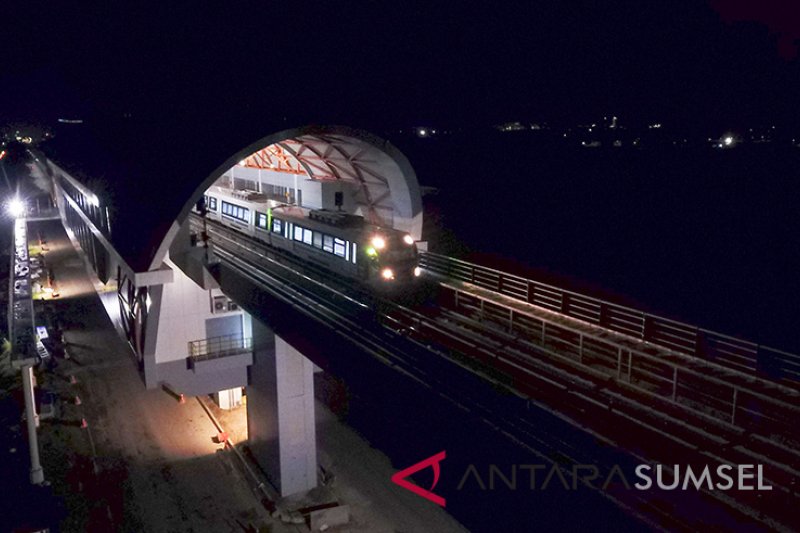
(663, 431)
(626, 404)
(722, 392)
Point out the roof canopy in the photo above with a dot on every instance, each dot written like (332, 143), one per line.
(385, 193)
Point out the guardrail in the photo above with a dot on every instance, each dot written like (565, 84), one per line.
(222, 346)
(670, 379)
(684, 338)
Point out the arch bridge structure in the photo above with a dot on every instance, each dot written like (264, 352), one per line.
(130, 216)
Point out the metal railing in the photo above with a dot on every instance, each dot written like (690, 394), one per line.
(222, 346)
(684, 338)
(670, 379)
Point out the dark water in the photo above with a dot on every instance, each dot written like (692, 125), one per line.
(702, 235)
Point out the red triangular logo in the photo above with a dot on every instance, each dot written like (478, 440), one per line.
(433, 461)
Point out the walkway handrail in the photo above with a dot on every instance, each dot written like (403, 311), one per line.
(723, 349)
(214, 347)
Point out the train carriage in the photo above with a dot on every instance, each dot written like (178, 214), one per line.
(340, 242)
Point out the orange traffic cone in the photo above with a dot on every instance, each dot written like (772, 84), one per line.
(182, 399)
(78, 400)
(84, 423)
(72, 380)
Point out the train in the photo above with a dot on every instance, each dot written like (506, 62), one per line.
(340, 242)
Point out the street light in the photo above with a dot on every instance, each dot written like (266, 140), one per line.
(15, 207)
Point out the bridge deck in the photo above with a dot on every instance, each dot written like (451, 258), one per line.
(709, 412)
(507, 311)
(718, 391)
(657, 403)
(723, 350)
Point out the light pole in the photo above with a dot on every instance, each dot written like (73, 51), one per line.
(3, 166)
(16, 208)
(37, 473)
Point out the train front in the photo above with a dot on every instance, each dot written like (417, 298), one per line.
(394, 257)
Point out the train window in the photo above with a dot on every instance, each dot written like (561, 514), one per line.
(261, 220)
(307, 236)
(277, 226)
(298, 233)
(234, 211)
(327, 243)
(339, 247)
(212, 203)
(317, 239)
(353, 254)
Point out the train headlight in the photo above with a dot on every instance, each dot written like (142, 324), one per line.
(408, 239)
(378, 242)
(387, 274)
(417, 272)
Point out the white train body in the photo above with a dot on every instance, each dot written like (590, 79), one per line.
(339, 242)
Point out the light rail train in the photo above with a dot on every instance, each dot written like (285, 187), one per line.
(340, 242)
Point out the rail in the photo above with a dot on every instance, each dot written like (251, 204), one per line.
(222, 346)
(672, 380)
(684, 338)
(699, 412)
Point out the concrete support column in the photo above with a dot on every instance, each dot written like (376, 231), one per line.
(37, 474)
(280, 412)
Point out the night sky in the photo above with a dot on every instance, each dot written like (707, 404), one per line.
(401, 63)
